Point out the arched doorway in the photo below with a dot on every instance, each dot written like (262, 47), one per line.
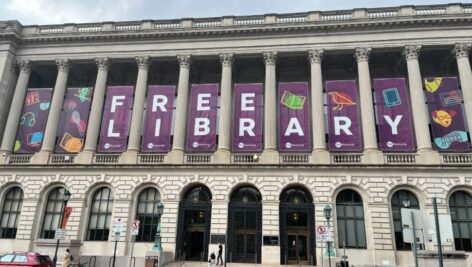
(297, 234)
(193, 229)
(245, 226)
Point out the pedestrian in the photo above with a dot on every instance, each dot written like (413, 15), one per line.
(211, 260)
(220, 254)
(66, 262)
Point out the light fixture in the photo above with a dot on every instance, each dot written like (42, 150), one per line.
(159, 208)
(67, 195)
(406, 202)
(327, 212)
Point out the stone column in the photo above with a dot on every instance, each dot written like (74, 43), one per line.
(465, 74)
(223, 154)
(426, 155)
(55, 110)
(131, 155)
(320, 155)
(371, 153)
(270, 153)
(95, 117)
(16, 108)
(176, 156)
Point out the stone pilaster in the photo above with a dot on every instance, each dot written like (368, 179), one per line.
(176, 156)
(95, 118)
(418, 107)
(223, 154)
(270, 154)
(131, 155)
(463, 65)
(320, 155)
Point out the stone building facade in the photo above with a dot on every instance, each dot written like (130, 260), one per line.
(277, 196)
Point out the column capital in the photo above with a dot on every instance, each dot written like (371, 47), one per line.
(412, 51)
(362, 54)
(143, 62)
(63, 64)
(103, 63)
(226, 59)
(315, 56)
(24, 65)
(184, 60)
(270, 58)
(461, 50)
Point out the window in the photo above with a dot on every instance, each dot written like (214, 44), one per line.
(100, 215)
(350, 219)
(53, 213)
(397, 205)
(147, 215)
(7, 258)
(460, 205)
(10, 213)
(21, 258)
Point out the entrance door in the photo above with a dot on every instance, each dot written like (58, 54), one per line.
(194, 245)
(297, 249)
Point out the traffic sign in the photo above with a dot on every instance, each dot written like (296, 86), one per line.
(118, 226)
(135, 227)
(60, 234)
(320, 229)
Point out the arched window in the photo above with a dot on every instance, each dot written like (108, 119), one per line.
(100, 215)
(11, 213)
(53, 213)
(460, 205)
(350, 219)
(397, 205)
(147, 214)
(198, 194)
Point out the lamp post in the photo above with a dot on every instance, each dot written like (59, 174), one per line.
(67, 195)
(406, 203)
(327, 213)
(157, 240)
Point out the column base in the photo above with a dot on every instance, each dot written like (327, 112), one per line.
(373, 156)
(222, 156)
(41, 157)
(428, 157)
(320, 156)
(270, 156)
(84, 157)
(129, 157)
(175, 157)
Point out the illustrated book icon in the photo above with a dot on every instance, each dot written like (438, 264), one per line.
(293, 101)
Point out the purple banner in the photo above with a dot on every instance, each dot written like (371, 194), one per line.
(294, 117)
(393, 115)
(116, 119)
(343, 116)
(158, 122)
(248, 105)
(29, 136)
(74, 118)
(446, 117)
(201, 132)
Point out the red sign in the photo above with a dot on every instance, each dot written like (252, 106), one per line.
(320, 229)
(67, 212)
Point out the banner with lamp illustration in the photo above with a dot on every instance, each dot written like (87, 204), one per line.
(29, 136)
(446, 116)
(74, 118)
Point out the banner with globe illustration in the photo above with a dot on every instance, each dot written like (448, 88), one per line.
(343, 116)
(294, 117)
(34, 116)
(74, 118)
(445, 111)
(393, 115)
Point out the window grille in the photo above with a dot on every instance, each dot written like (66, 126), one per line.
(11, 213)
(53, 213)
(350, 219)
(100, 215)
(460, 205)
(147, 215)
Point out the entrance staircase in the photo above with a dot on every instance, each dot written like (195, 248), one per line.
(204, 264)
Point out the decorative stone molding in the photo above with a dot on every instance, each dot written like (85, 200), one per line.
(63, 64)
(184, 60)
(412, 52)
(270, 58)
(24, 66)
(226, 59)
(362, 54)
(461, 50)
(315, 56)
(103, 63)
(143, 62)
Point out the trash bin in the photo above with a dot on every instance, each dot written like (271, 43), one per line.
(152, 261)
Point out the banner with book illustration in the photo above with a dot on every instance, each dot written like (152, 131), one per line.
(393, 115)
(343, 116)
(203, 108)
(116, 119)
(294, 117)
(445, 111)
(247, 122)
(34, 116)
(158, 122)
(74, 118)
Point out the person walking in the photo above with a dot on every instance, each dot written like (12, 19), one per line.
(220, 254)
(211, 260)
(66, 261)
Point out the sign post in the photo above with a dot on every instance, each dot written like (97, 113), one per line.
(321, 235)
(117, 229)
(134, 233)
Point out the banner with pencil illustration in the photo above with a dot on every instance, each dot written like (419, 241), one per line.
(445, 111)
(34, 116)
(74, 118)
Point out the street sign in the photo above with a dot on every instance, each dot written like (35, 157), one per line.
(135, 227)
(320, 229)
(60, 234)
(118, 226)
(329, 236)
(321, 237)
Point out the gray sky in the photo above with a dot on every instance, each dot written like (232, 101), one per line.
(78, 11)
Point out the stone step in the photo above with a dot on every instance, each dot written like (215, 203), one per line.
(204, 264)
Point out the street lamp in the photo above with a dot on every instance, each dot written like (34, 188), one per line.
(66, 198)
(157, 240)
(327, 213)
